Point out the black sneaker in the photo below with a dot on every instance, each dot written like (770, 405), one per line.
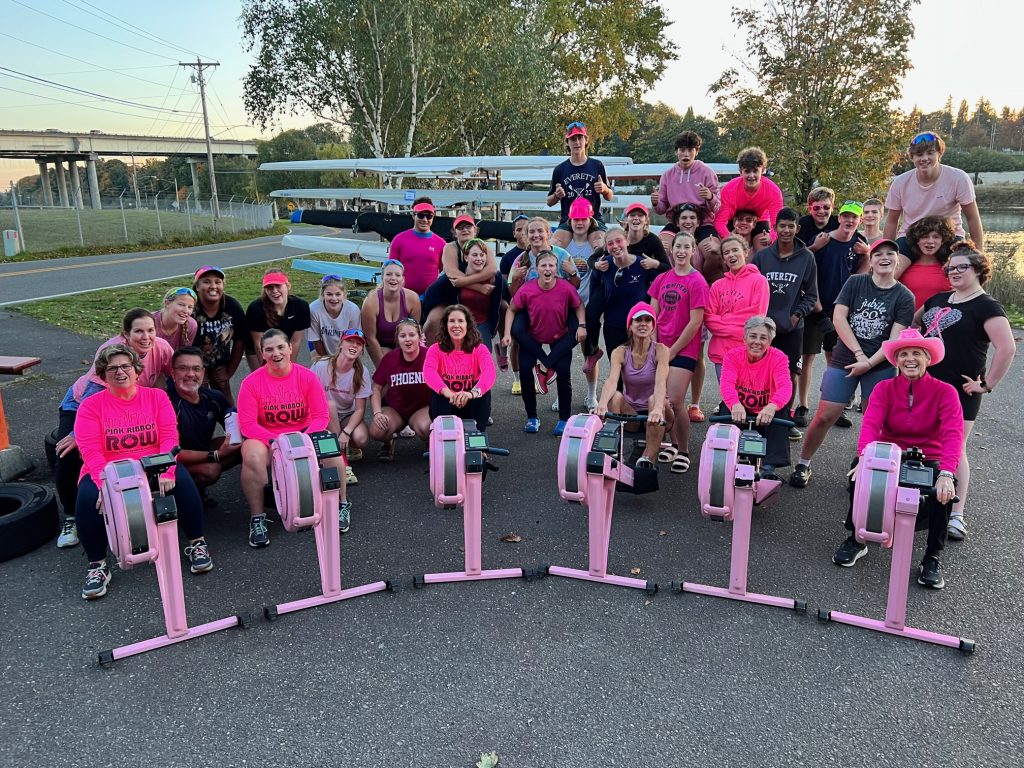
(795, 434)
(801, 475)
(800, 416)
(849, 552)
(258, 536)
(844, 421)
(931, 573)
(198, 555)
(96, 580)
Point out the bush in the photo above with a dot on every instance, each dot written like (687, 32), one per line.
(982, 160)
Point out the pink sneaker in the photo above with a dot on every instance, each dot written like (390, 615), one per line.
(590, 361)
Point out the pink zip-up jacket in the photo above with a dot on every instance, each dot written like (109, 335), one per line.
(108, 428)
(733, 300)
(269, 405)
(754, 385)
(766, 202)
(459, 371)
(932, 420)
(677, 186)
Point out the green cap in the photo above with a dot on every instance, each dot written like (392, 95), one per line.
(852, 206)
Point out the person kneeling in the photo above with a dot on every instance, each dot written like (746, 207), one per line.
(756, 381)
(199, 410)
(400, 398)
(914, 409)
(126, 421)
(347, 385)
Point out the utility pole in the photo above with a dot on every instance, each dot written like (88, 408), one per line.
(199, 65)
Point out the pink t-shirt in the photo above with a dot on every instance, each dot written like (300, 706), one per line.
(548, 310)
(459, 371)
(766, 201)
(754, 385)
(108, 428)
(924, 281)
(420, 254)
(176, 340)
(945, 197)
(677, 296)
(157, 361)
(269, 405)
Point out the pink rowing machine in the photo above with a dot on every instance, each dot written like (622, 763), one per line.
(888, 489)
(307, 496)
(729, 486)
(143, 529)
(457, 466)
(589, 470)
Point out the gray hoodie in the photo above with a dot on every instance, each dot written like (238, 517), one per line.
(793, 282)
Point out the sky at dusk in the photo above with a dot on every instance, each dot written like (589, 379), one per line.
(96, 45)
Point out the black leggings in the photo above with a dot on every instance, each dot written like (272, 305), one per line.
(69, 467)
(932, 516)
(559, 357)
(478, 409)
(92, 531)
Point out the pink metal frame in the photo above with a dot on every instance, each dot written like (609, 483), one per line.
(324, 522)
(897, 533)
(449, 431)
(739, 496)
(597, 492)
(162, 552)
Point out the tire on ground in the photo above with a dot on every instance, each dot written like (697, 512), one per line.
(28, 518)
(50, 446)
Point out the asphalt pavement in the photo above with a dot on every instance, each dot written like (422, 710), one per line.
(24, 281)
(551, 672)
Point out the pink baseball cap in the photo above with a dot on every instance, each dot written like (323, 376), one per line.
(581, 209)
(463, 219)
(274, 278)
(575, 128)
(637, 207)
(640, 309)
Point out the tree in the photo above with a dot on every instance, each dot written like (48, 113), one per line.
(814, 88)
(417, 76)
(962, 118)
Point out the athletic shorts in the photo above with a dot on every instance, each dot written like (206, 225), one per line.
(814, 338)
(837, 387)
(684, 362)
(792, 344)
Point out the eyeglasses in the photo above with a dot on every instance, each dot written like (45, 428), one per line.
(957, 268)
(125, 368)
(189, 368)
(327, 278)
(922, 138)
(822, 207)
(423, 215)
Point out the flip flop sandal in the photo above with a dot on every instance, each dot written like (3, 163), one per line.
(681, 463)
(955, 529)
(667, 454)
(695, 414)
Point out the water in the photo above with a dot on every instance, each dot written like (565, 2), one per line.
(1005, 220)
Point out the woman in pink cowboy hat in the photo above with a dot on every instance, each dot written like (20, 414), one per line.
(915, 409)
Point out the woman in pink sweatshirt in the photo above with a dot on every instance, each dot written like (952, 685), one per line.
(756, 382)
(740, 294)
(460, 370)
(128, 421)
(915, 409)
(279, 397)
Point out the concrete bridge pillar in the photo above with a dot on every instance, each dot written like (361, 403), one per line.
(62, 183)
(76, 184)
(44, 181)
(195, 184)
(94, 184)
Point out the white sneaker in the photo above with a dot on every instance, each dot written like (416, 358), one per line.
(68, 534)
(554, 405)
(591, 403)
(408, 432)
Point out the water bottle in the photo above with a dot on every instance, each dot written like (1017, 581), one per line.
(231, 428)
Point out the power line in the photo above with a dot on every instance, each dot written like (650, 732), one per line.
(24, 76)
(100, 109)
(82, 61)
(89, 31)
(118, 21)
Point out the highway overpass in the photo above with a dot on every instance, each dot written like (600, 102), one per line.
(64, 150)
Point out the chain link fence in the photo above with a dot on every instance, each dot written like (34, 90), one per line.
(125, 219)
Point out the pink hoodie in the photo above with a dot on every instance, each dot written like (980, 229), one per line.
(677, 186)
(733, 300)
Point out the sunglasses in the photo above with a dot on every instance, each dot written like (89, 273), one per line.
(822, 207)
(353, 333)
(424, 215)
(575, 124)
(327, 278)
(957, 268)
(924, 137)
(180, 292)
(388, 262)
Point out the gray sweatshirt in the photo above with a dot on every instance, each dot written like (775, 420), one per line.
(793, 282)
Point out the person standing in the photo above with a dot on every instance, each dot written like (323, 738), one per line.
(329, 317)
(277, 308)
(419, 249)
(222, 334)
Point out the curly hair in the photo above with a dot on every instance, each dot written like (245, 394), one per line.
(104, 355)
(688, 140)
(981, 263)
(472, 338)
(751, 159)
(925, 226)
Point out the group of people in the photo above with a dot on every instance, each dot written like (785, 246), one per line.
(734, 276)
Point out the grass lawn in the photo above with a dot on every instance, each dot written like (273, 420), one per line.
(54, 231)
(99, 313)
